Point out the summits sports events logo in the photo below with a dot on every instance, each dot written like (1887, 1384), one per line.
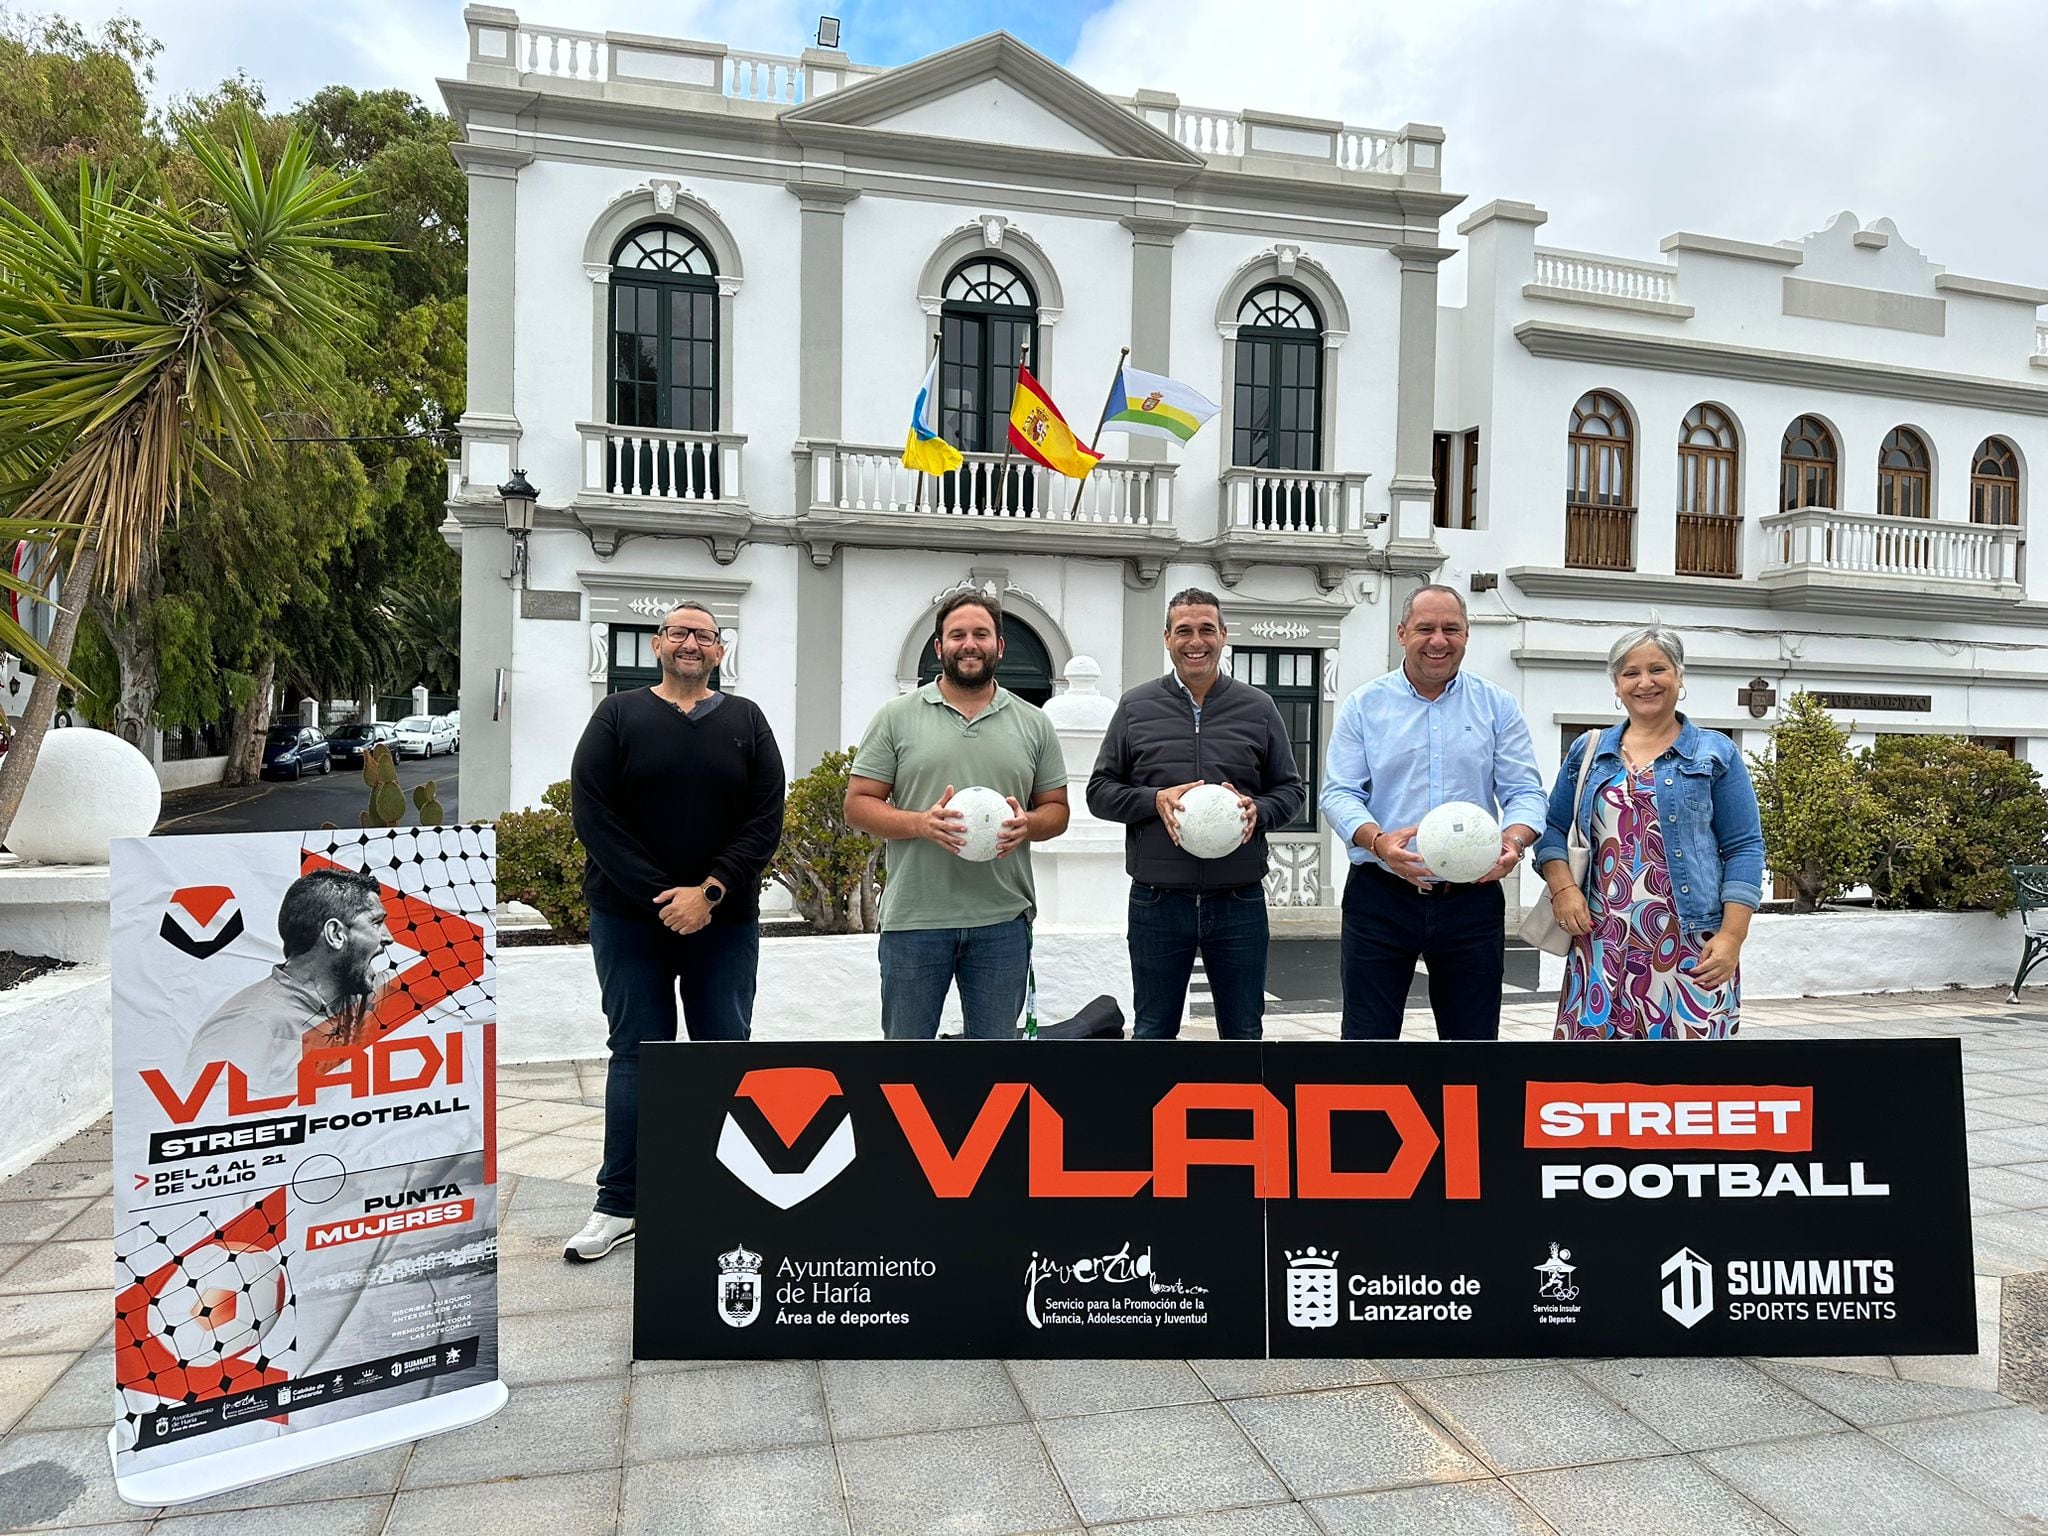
(202, 920)
(790, 1099)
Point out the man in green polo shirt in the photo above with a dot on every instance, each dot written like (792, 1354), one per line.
(945, 919)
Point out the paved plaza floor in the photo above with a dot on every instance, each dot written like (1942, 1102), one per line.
(592, 1442)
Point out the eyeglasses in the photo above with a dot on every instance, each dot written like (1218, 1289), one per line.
(701, 636)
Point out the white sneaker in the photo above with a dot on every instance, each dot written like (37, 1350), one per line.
(600, 1235)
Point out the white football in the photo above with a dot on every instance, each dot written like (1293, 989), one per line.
(985, 812)
(1211, 824)
(1459, 841)
(223, 1301)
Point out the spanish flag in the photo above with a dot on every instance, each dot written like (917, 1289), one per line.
(923, 449)
(1041, 434)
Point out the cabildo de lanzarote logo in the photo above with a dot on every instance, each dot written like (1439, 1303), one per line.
(790, 1099)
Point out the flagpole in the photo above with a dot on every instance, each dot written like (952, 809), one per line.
(1003, 473)
(1081, 484)
(938, 420)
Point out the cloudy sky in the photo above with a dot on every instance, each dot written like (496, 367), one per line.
(1758, 119)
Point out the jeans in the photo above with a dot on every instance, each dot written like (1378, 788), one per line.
(990, 963)
(641, 968)
(1166, 930)
(1460, 931)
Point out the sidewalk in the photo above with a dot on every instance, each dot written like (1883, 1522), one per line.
(593, 1443)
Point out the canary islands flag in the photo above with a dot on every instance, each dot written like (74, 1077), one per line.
(1040, 432)
(924, 449)
(1152, 405)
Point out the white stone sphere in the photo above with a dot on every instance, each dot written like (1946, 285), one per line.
(985, 812)
(1459, 841)
(87, 788)
(1211, 824)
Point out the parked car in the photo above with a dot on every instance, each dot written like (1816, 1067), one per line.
(455, 719)
(424, 736)
(290, 750)
(350, 743)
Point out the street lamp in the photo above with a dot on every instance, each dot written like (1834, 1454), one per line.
(519, 497)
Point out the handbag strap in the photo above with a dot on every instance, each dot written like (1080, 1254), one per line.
(1573, 836)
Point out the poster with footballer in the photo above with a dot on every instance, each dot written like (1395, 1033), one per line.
(305, 1189)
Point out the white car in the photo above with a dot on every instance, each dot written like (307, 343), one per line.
(424, 736)
(455, 719)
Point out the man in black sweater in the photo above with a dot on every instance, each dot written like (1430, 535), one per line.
(1195, 726)
(677, 795)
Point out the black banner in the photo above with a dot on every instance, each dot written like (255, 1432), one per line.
(1051, 1199)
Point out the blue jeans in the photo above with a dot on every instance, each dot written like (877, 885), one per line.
(919, 964)
(641, 969)
(1166, 930)
(1460, 930)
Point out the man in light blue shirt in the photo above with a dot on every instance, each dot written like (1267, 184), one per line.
(1405, 743)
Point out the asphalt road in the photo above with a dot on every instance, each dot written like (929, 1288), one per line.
(284, 806)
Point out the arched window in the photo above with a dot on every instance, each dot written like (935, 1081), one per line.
(1708, 511)
(1902, 479)
(1599, 487)
(1026, 668)
(1277, 415)
(1995, 483)
(988, 318)
(1806, 464)
(664, 361)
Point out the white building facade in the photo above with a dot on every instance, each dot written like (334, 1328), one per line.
(1812, 458)
(704, 286)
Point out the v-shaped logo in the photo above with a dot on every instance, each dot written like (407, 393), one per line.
(789, 1098)
(202, 920)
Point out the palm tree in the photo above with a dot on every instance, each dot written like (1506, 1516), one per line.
(143, 345)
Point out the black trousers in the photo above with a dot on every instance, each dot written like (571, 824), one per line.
(1459, 930)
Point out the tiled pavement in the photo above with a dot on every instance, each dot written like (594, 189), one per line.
(593, 1443)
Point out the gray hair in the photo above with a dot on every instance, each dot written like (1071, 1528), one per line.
(694, 607)
(1660, 635)
(1408, 603)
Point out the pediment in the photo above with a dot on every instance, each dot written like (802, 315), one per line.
(994, 90)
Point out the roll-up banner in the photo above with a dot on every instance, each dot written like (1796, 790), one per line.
(1301, 1199)
(305, 1182)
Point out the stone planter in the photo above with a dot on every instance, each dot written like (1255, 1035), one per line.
(1853, 949)
(56, 1041)
(58, 910)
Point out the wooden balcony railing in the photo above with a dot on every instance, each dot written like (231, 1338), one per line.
(1709, 544)
(1599, 538)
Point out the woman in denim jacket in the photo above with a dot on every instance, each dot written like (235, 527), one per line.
(1677, 865)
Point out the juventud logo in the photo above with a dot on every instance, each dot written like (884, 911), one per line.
(789, 1098)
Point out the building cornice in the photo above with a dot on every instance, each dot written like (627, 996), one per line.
(1984, 288)
(1675, 354)
(1825, 593)
(491, 159)
(1740, 250)
(1779, 669)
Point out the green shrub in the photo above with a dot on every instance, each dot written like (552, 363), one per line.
(1951, 820)
(1816, 809)
(540, 862)
(833, 873)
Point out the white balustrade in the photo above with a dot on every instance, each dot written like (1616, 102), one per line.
(1117, 494)
(1578, 272)
(650, 463)
(1820, 539)
(563, 53)
(1316, 504)
(1365, 149)
(1209, 132)
(768, 77)
(2041, 341)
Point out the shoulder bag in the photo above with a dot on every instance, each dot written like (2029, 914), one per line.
(1539, 928)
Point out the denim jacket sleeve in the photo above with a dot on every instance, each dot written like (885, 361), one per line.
(1739, 833)
(1557, 820)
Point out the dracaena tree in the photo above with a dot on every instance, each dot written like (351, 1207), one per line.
(146, 346)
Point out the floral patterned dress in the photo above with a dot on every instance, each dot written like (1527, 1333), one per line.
(1631, 977)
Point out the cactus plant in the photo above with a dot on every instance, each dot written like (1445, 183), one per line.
(387, 800)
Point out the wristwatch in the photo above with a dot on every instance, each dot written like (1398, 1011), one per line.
(714, 893)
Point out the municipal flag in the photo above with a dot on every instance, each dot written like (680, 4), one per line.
(1152, 405)
(1041, 434)
(924, 449)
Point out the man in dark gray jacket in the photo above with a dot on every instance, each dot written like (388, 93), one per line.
(1195, 726)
